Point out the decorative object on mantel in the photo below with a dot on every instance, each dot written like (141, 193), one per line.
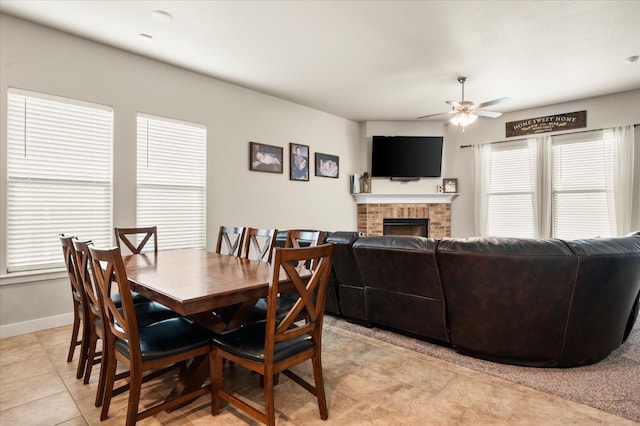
(365, 183)
(450, 185)
(355, 184)
(549, 123)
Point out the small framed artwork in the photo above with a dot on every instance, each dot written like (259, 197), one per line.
(265, 158)
(299, 158)
(450, 185)
(327, 165)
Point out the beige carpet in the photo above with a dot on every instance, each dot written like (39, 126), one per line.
(612, 385)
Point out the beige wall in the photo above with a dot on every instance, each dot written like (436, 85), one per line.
(39, 59)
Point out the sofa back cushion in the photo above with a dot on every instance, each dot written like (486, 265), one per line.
(402, 284)
(403, 264)
(607, 289)
(346, 276)
(344, 262)
(508, 299)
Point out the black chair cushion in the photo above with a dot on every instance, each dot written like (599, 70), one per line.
(137, 298)
(283, 306)
(248, 342)
(150, 312)
(168, 337)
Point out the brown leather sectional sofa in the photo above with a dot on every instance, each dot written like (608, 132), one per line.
(544, 303)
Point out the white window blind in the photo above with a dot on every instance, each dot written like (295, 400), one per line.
(171, 176)
(579, 186)
(58, 176)
(511, 191)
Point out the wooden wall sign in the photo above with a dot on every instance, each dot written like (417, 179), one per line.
(550, 123)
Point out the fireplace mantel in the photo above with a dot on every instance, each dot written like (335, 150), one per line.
(369, 198)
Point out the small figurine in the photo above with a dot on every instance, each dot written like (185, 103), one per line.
(365, 183)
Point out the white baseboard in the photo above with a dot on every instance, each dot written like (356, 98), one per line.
(39, 324)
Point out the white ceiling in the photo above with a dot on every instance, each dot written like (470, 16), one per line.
(376, 60)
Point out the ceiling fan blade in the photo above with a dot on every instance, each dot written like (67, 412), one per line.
(434, 115)
(493, 102)
(454, 104)
(484, 113)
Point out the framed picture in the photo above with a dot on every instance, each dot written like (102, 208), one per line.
(450, 185)
(265, 158)
(299, 159)
(327, 165)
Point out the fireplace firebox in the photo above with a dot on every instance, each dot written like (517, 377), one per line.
(414, 226)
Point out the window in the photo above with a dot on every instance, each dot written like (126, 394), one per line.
(171, 175)
(580, 167)
(511, 191)
(58, 177)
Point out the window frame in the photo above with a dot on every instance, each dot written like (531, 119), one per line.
(48, 111)
(184, 184)
(596, 137)
(518, 146)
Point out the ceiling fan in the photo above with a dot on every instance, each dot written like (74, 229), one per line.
(466, 112)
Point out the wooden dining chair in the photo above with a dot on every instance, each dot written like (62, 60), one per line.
(81, 322)
(302, 238)
(295, 239)
(96, 332)
(146, 313)
(270, 347)
(260, 243)
(141, 349)
(129, 237)
(233, 237)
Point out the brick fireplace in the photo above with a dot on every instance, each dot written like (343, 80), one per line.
(374, 208)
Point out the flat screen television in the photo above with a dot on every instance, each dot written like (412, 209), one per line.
(406, 157)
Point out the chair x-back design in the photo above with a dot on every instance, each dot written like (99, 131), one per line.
(233, 237)
(128, 236)
(260, 242)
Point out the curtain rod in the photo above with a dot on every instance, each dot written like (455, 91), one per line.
(524, 139)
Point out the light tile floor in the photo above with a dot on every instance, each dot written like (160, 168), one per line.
(367, 383)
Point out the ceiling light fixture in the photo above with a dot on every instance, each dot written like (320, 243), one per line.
(162, 16)
(463, 119)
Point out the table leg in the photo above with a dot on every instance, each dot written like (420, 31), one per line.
(197, 371)
(190, 379)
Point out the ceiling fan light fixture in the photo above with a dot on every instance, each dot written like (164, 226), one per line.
(463, 119)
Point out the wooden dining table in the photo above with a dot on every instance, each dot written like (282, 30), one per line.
(195, 283)
(216, 290)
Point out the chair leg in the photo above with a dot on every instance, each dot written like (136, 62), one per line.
(84, 348)
(215, 366)
(319, 382)
(135, 386)
(103, 376)
(276, 380)
(74, 333)
(110, 378)
(269, 403)
(91, 354)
